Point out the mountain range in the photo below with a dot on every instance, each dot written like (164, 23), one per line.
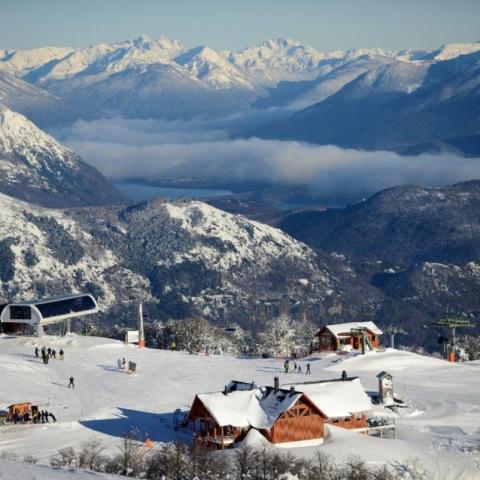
(367, 98)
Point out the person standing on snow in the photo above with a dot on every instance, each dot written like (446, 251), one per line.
(299, 369)
(71, 384)
(61, 354)
(54, 354)
(308, 372)
(36, 352)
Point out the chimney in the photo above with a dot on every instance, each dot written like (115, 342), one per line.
(276, 384)
(344, 375)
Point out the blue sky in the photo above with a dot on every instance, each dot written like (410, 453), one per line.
(228, 24)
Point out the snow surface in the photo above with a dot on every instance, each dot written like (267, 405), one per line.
(440, 425)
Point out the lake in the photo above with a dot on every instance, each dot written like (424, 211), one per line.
(138, 192)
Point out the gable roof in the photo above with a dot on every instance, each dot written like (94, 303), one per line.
(337, 398)
(339, 328)
(258, 408)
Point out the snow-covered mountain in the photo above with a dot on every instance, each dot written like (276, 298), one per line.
(34, 102)
(36, 168)
(184, 258)
(397, 106)
(145, 77)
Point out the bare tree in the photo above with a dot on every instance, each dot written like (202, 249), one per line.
(65, 457)
(90, 455)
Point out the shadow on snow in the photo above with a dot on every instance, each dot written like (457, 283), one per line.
(158, 427)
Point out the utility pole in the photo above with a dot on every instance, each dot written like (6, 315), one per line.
(141, 333)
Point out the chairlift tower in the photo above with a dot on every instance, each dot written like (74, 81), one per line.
(360, 332)
(393, 330)
(453, 323)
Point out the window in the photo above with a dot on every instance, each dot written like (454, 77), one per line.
(335, 420)
(358, 416)
(347, 419)
(20, 312)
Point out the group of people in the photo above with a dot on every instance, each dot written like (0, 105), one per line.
(41, 416)
(48, 353)
(296, 368)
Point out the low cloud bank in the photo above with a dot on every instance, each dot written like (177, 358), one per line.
(152, 149)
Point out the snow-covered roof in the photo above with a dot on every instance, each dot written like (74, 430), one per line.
(337, 398)
(339, 328)
(258, 408)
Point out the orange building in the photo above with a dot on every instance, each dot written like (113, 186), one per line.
(298, 412)
(348, 335)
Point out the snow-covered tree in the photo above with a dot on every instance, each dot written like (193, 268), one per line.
(285, 336)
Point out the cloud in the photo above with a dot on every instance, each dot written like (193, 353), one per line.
(158, 149)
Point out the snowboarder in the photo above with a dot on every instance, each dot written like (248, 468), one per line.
(61, 354)
(36, 352)
(71, 384)
(308, 372)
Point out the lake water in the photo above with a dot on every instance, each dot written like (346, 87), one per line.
(138, 192)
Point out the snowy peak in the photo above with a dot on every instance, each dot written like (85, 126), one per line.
(19, 134)
(207, 65)
(36, 168)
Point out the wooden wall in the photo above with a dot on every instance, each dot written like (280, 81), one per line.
(353, 423)
(302, 421)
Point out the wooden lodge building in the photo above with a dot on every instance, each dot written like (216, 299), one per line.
(298, 412)
(348, 335)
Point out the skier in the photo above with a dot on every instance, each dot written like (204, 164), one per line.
(36, 352)
(49, 351)
(286, 365)
(44, 351)
(299, 369)
(54, 354)
(294, 366)
(71, 384)
(308, 372)
(61, 354)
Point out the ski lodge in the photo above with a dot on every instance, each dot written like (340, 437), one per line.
(17, 317)
(290, 413)
(348, 335)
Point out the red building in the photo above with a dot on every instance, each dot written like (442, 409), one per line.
(298, 412)
(348, 336)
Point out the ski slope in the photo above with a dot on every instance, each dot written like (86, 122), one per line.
(440, 427)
